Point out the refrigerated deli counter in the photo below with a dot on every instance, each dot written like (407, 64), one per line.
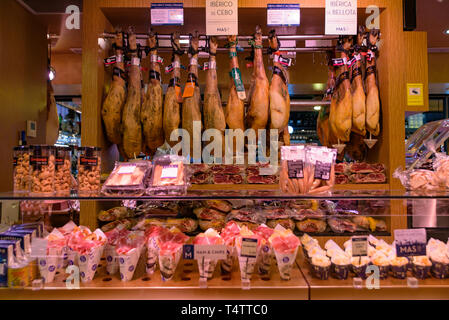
(322, 264)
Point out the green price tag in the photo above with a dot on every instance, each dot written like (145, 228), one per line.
(237, 76)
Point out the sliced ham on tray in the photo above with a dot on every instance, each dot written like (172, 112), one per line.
(368, 178)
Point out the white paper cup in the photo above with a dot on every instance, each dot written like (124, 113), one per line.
(128, 263)
(72, 257)
(226, 265)
(88, 263)
(152, 256)
(206, 268)
(168, 263)
(264, 259)
(285, 263)
(246, 265)
(111, 259)
(48, 264)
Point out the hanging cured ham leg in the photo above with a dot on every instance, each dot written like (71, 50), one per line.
(172, 115)
(257, 116)
(340, 117)
(358, 92)
(214, 117)
(235, 108)
(372, 96)
(191, 107)
(279, 96)
(323, 127)
(131, 121)
(112, 109)
(152, 108)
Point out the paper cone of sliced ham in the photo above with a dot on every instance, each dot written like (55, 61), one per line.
(66, 230)
(229, 233)
(266, 252)
(128, 253)
(285, 246)
(49, 263)
(170, 251)
(206, 267)
(152, 235)
(89, 248)
(114, 236)
(246, 263)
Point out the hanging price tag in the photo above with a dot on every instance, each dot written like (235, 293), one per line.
(189, 90)
(237, 76)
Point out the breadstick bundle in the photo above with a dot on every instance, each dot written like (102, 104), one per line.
(307, 169)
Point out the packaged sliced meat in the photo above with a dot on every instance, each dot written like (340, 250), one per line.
(220, 178)
(287, 223)
(169, 175)
(220, 205)
(226, 168)
(341, 168)
(311, 226)
(199, 173)
(363, 167)
(128, 178)
(116, 213)
(340, 225)
(209, 214)
(341, 179)
(368, 178)
(158, 208)
(292, 174)
(309, 214)
(246, 215)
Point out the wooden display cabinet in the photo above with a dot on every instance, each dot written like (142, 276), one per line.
(402, 59)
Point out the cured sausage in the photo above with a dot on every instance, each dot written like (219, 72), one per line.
(191, 107)
(131, 122)
(172, 115)
(152, 108)
(115, 100)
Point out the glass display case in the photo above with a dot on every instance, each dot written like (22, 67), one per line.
(338, 215)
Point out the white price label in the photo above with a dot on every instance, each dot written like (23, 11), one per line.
(169, 172)
(410, 242)
(207, 251)
(341, 17)
(39, 247)
(167, 14)
(283, 15)
(359, 246)
(249, 248)
(221, 17)
(126, 170)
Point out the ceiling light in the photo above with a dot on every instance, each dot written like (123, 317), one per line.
(317, 108)
(447, 31)
(290, 129)
(51, 73)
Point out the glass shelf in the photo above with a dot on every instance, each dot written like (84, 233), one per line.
(242, 195)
